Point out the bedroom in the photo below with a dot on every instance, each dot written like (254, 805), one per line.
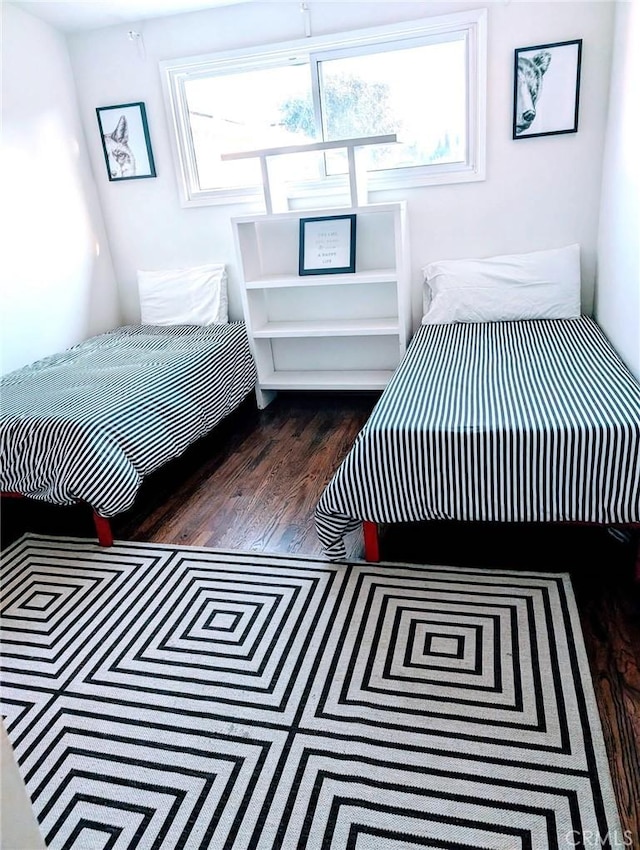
(74, 241)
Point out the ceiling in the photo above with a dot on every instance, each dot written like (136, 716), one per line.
(77, 15)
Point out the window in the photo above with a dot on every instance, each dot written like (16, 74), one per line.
(422, 80)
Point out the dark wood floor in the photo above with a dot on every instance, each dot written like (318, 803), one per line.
(253, 485)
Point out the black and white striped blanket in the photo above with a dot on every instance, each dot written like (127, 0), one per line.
(504, 421)
(90, 423)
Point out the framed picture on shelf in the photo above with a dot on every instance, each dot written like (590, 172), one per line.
(327, 245)
(125, 141)
(546, 89)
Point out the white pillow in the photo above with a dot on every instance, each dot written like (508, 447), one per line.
(192, 296)
(540, 285)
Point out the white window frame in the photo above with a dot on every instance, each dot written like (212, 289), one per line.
(469, 25)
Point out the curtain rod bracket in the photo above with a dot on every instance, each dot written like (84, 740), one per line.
(304, 8)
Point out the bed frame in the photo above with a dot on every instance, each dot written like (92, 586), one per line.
(102, 525)
(372, 542)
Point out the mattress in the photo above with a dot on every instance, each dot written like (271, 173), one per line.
(90, 423)
(527, 421)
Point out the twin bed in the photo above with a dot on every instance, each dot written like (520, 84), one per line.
(518, 421)
(509, 406)
(91, 423)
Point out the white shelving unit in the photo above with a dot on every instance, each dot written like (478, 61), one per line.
(326, 331)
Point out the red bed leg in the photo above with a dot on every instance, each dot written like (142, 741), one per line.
(103, 529)
(371, 543)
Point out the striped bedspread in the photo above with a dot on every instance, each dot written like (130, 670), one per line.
(90, 423)
(512, 421)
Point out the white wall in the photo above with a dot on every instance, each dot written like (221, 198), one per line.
(617, 306)
(55, 290)
(539, 193)
(18, 824)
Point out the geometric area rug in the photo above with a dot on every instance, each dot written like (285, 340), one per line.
(180, 697)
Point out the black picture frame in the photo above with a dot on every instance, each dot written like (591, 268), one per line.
(126, 145)
(327, 245)
(546, 89)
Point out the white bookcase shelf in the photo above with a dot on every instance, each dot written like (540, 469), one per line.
(337, 379)
(327, 331)
(277, 281)
(329, 327)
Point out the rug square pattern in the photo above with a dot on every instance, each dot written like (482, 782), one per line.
(179, 784)
(49, 643)
(504, 694)
(342, 790)
(163, 697)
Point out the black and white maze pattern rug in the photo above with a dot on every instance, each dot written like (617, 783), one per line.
(159, 697)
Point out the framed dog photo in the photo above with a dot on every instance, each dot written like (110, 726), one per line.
(327, 245)
(546, 89)
(125, 141)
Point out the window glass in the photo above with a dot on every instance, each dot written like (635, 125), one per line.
(243, 112)
(418, 93)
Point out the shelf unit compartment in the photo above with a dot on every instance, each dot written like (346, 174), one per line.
(335, 354)
(376, 241)
(269, 245)
(357, 301)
